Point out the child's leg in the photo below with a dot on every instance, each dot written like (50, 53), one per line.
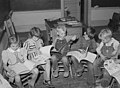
(47, 70)
(90, 75)
(66, 66)
(96, 65)
(34, 77)
(78, 68)
(18, 81)
(55, 68)
(105, 81)
(54, 62)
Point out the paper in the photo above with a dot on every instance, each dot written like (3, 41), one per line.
(79, 56)
(46, 50)
(41, 59)
(113, 69)
(19, 68)
(4, 83)
(29, 64)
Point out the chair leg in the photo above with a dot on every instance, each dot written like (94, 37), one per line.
(112, 83)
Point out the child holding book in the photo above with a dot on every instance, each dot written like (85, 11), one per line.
(107, 49)
(60, 45)
(13, 58)
(33, 45)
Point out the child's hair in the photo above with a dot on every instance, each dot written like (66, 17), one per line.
(35, 31)
(92, 30)
(13, 39)
(63, 27)
(105, 32)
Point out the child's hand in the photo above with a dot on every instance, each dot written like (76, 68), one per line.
(103, 57)
(117, 61)
(74, 37)
(22, 60)
(12, 73)
(86, 37)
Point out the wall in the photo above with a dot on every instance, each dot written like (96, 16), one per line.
(23, 21)
(100, 16)
(73, 7)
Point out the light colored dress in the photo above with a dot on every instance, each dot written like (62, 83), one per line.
(9, 58)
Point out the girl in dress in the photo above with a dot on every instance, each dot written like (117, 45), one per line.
(13, 58)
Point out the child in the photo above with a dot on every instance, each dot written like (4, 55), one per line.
(87, 44)
(33, 45)
(107, 49)
(13, 58)
(58, 44)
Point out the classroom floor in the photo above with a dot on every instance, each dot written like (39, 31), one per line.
(76, 82)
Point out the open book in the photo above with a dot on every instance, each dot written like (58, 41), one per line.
(46, 50)
(79, 56)
(113, 69)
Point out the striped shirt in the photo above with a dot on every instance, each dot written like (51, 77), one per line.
(32, 47)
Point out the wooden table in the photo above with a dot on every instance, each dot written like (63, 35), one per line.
(71, 30)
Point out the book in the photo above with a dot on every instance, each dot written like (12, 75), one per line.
(80, 56)
(19, 68)
(29, 64)
(46, 50)
(113, 69)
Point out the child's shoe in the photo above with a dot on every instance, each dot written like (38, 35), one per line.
(55, 73)
(66, 74)
(48, 83)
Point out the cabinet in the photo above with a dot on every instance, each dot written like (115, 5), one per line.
(71, 30)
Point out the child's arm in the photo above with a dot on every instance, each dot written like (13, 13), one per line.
(99, 51)
(5, 61)
(116, 48)
(94, 46)
(72, 37)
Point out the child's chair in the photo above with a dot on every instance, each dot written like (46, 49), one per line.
(24, 77)
(9, 25)
(61, 68)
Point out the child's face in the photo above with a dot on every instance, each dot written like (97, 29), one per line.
(14, 46)
(35, 38)
(61, 33)
(106, 39)
(88, 31)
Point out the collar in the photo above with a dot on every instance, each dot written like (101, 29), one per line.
(12, 51)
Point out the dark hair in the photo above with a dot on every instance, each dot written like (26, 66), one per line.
(35, 31)
(13, 39)
(92, 30)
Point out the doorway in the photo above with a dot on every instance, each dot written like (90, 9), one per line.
(84, 12)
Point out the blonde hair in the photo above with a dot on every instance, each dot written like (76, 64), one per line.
(63, 27)
(14, 39)
(105, 32)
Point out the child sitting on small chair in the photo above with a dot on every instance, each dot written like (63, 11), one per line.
(59, 45)
(107, 49)
(13, 59)
(88, 43)
(33, 45)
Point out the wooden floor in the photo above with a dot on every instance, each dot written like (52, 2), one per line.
(77, 82)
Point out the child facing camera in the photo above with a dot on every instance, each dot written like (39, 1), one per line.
(60, 45)
(13, 58)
